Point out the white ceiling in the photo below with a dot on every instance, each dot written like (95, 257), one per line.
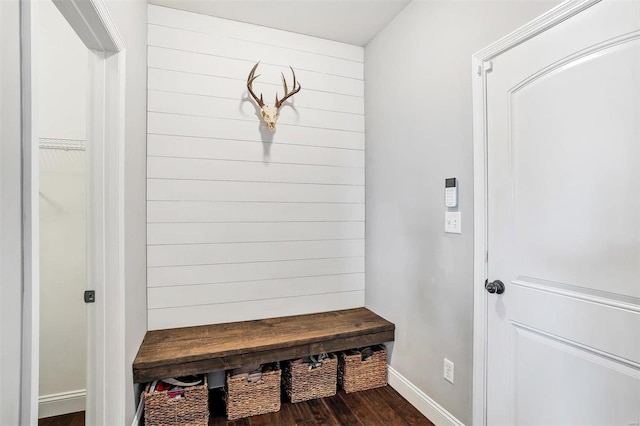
(349, 21)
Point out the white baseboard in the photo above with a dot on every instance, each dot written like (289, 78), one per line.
(137, 419)
(427, 406)
(56, 404)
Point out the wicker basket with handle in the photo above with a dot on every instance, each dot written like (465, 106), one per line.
(355, 375)
(302, 383)
(186, 407)
(244, 398)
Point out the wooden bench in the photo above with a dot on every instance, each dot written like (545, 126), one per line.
(193, 350)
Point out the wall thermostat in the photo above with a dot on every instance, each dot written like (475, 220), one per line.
(451, 192)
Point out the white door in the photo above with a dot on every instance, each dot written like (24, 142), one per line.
(564, 223)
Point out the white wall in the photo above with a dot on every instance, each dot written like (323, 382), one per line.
(243, 223)
(63, 64)
(130, 18)
(419, 132)
(10, 214)
(63, 73)
(63, 313)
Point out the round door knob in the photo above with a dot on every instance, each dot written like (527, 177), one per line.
(496, 286)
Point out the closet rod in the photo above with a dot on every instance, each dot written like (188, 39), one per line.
(65, 144)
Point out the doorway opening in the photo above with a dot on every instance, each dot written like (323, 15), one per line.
(63, 61)
(104, 348)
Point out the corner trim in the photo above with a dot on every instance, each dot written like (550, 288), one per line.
(427, 406)
(539, 25)
(137, 419)
(93, 23)
(56, 404)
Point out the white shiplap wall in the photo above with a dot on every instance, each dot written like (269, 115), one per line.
(243, 224)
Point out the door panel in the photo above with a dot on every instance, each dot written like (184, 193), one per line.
(542, 363)
(571, 155)
(564, 223)
(598, 323)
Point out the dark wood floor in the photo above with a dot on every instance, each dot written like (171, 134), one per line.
(383, 406)
(73, 419)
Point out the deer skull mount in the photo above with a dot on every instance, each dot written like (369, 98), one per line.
(270, 113)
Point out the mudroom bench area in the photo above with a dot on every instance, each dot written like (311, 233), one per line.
(273, 343)
(207, 348)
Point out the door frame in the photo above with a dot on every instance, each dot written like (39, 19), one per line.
(90, 19)
(480, 65)
(11, 291)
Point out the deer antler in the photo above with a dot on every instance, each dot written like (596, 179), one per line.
(269, 114)
(287, 94)
(250, 79)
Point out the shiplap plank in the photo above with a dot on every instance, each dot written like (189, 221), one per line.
(245, 109)
(176, 211)
(262, 35)
(224, 87)
(240, 218)
(183, 190)
(238, 70)
(192, 295)
(163, 256)
(184, 125)
(245, 311)
(206, 169)
(207, 44)
(199, 233)
(220, 149)
(252, 271)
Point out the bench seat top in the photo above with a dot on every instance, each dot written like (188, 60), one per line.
(207, 348)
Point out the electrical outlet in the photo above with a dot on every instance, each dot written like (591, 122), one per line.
(448, 371)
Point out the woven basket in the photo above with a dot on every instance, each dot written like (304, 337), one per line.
(187, 407)
(355, 375)
(302, 383)
(246, 399)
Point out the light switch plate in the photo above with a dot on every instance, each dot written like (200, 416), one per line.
(453, 223)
